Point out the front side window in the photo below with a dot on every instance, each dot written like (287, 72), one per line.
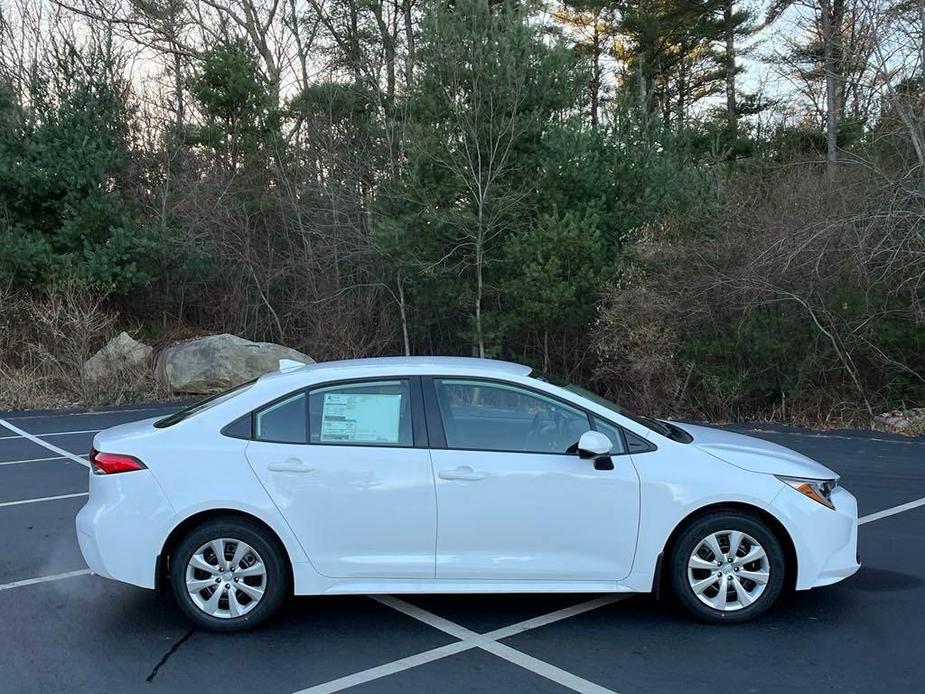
(492, 416)
(374, 413)
(283, 421)
(666, 429)
(611, 432)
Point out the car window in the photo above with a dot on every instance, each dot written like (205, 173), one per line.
(611, 432)
(487, 415)
(202, 405)
(283, 421)
(666, 429)
(376, 413)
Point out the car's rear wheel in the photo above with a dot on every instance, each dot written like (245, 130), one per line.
(727, 567)
(228, 574)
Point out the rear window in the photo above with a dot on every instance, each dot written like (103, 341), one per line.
(202, 405)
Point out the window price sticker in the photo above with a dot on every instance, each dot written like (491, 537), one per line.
(361, 417)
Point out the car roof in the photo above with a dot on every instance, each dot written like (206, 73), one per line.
(405, 365)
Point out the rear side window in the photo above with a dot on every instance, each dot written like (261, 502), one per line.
(283, 421)
(372, 413)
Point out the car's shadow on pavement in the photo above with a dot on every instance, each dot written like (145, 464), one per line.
(882, 580)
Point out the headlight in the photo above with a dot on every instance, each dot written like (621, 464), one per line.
(817, 490)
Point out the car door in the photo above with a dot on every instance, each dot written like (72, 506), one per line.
(348, 467)
(515, 502)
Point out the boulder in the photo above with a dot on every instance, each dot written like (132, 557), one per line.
(910, 421)
(121, 353)
(217, 362)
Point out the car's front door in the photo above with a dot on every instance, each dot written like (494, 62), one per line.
(515, 502)
(347, 465)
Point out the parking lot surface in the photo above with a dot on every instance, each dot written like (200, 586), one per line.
(64, 630)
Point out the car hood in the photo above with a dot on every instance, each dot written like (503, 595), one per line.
(756, 455)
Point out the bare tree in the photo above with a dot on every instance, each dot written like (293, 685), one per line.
(484, 124)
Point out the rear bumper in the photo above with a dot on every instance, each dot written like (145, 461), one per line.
(121, 526)
(825, 540)
(89, 550)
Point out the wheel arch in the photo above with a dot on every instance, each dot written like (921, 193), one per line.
(776, 526)
(162, 571)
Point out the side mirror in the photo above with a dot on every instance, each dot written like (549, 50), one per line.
(593, 445)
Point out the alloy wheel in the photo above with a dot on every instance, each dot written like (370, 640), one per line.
(226, 578)
(728, 570)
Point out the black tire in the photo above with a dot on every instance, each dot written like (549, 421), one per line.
(265, 544)
(693, 535)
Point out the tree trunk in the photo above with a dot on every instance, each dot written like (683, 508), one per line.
(409, 44)
(839, 66)
(732, 118)
(403, 310)
(831, 89)
(922, 39)
(478, 293)
(546, 350)
(388, 51)
(596, 72)
(354, 44)
(682, 94)
(643, 101)
(179, 106)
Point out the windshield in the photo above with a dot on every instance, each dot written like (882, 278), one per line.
(666, 429)
(202, 405)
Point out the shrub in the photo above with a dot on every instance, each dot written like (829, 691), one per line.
(45, 340)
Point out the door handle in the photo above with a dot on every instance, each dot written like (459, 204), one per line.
(290, 465)
(464, 472)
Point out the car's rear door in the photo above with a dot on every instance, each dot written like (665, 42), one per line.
(348, 467)
(515, 501)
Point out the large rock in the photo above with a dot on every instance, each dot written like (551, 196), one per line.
(910, 421)
(120, 354)
(218, 362)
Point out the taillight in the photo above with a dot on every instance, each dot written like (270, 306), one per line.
(111, 463)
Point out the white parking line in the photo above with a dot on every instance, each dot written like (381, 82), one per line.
(489, 642)
(50, 433)
(885, 513)
(33, 460)
(543, 620)
(422, 615)
(547, 670)
(41, 499)
(49, 446)
(469, 640)
(43, 579)
(395, 666)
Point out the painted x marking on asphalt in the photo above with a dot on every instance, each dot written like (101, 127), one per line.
(468, 640)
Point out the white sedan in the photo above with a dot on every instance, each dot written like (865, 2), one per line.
(452, 475)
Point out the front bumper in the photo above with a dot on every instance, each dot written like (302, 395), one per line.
(843, 563)
(825, 540)
(121, 527)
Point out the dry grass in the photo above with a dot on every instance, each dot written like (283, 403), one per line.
(45, 340)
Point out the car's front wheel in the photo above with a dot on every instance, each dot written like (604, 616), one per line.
(228, 574)
(727, 567)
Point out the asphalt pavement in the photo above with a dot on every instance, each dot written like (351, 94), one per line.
(64, 630)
